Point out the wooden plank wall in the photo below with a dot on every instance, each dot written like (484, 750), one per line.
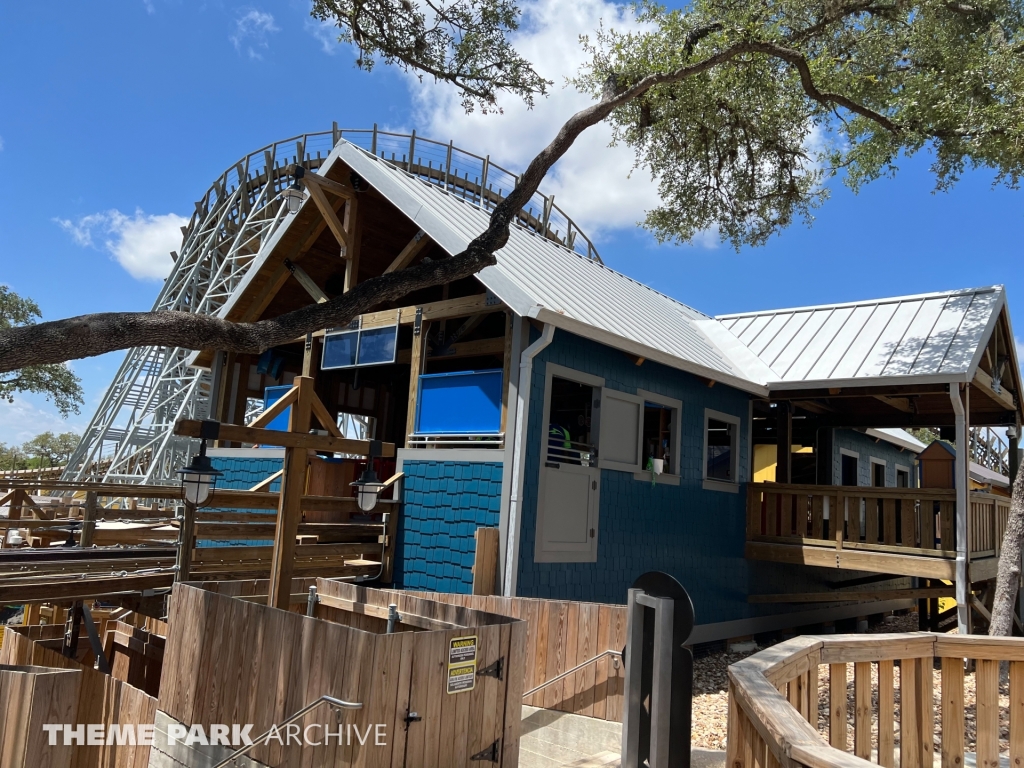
(560, 635)
(31, 697)
(101, 699)
(233, 661)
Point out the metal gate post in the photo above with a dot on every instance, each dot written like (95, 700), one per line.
(659, 671)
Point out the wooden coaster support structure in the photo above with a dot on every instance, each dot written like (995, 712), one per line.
(303, 406)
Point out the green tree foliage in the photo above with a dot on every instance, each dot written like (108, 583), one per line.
(805, 90)
(56, 380)
(464, 42)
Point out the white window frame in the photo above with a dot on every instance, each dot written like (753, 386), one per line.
(603, 463)
(876, 462)
(542, 553)
(667, 478)
(910, 476)
(711, 484)
(551, 370)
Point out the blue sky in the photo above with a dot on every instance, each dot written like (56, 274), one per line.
(117, 116)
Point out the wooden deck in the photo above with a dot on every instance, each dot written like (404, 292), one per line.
(901, 531)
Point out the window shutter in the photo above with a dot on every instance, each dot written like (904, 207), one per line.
(622, 418)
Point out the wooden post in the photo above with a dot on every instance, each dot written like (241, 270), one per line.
(485, 564)
(415, 369)
(88, 520)
(784, 429)
(289, 509)
(186, 538)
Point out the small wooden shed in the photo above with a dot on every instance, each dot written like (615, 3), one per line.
(938, 465)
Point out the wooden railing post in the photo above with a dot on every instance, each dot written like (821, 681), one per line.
(289, 509)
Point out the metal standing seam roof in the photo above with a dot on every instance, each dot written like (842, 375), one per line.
(934, 336)
(928, 337)
(539, 278)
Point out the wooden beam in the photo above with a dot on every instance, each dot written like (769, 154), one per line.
(329, 185)
(88, 519)
(77, 588)
(415, 368)
(351, 252)
(289, 510)
(869, 595)
(327, 443)
(899, 403)
(329, 215)
(323, 416)
(264, 485)
(485, 563)
(306, 282)
(278, 407)
(854, 560)
(412, 249)
(984, 382)
(479, 347)
(381, 612)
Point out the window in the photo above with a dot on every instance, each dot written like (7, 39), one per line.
(359, 346)
(570, 439)
(878, 473)
(721, 451)
(902, 477)
(849, 467)
(660, 437)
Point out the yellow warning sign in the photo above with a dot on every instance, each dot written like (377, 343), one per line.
(462, 664)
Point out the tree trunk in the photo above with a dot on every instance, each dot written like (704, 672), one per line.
(1008, 578)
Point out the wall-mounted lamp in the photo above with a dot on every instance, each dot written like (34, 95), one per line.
(199, 479)
(369, 486)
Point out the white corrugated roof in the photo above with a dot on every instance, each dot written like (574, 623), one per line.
(904, 339)
(539, 278)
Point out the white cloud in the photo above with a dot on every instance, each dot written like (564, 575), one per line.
(325, 33)
(592, 183)
(1, 143)
(23, 419)
(140, 243)
(252, 29)
(150, 8)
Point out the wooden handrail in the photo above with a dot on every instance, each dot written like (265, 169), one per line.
(773, 701)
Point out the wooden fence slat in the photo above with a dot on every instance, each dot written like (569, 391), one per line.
(886, 715)
(1016, 713)
(862, 709)
(910, 742)
(952, 713)
(987, 677)
(889, 521)
(837, 706)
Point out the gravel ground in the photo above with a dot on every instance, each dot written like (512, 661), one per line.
(710, 697)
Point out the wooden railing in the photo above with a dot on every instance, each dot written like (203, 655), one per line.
(108, 517)
(987, 523)
(890, 699)
(911, 521)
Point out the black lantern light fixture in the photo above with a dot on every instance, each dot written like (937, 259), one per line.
(294, 195)
(369, 486)
(199, 479)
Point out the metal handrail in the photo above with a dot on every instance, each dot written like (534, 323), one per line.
(568, 672)
(329, 699)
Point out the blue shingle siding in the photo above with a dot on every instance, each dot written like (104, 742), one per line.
(869, 448)
(445, 502)
(698, 536)
(242, 473)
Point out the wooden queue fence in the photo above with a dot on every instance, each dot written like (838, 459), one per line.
(897, 715)
(563, 636)
(230, 660)
(121, 534)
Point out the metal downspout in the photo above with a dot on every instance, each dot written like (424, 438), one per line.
(518, 462)
(960, 483)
